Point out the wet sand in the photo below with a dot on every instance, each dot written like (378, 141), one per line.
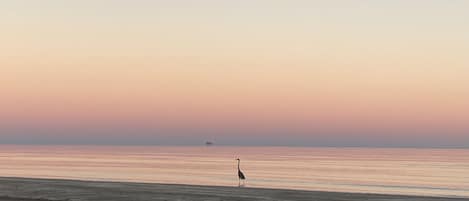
(26, 189)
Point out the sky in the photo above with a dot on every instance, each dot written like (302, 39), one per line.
(375, 73)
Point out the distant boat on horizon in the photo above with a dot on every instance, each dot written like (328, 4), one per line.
(208, 143)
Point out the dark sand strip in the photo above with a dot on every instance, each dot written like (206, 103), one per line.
(25, 189)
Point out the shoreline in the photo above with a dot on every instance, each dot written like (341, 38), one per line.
(32, 189)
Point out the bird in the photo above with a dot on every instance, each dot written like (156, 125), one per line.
(240, 174)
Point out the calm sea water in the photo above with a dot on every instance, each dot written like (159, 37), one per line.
(440, 172)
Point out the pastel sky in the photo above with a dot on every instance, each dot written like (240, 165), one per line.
(246, 72)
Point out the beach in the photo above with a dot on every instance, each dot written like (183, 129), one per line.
(28, 189)
(427, 172)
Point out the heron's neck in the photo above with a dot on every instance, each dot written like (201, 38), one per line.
(238, 163)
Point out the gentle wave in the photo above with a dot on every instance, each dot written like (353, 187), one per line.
(435, 172)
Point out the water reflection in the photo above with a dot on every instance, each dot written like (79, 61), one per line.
(403, 171)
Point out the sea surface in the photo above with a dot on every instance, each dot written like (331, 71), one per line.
(436, 172)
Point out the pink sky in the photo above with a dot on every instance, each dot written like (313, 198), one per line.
(331, 73)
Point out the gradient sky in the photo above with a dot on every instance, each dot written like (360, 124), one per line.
(257, 72)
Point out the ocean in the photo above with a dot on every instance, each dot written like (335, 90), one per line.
(433, 172)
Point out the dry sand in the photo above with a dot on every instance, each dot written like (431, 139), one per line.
(25, 189)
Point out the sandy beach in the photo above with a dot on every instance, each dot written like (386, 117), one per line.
(26, 189)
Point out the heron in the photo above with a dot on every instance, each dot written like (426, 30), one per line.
(240, 174)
